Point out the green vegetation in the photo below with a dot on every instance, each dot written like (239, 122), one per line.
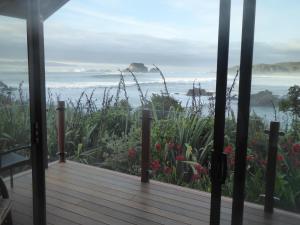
(108, 134)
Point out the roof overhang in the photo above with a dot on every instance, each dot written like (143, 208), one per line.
(18, 8)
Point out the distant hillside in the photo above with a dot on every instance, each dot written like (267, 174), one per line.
(284, 67)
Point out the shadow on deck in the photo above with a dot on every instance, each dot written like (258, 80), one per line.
(81, 194)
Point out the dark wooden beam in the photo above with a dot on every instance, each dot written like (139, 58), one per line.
(243, 111)
(36, 67)
(220, 107)
(18, 8)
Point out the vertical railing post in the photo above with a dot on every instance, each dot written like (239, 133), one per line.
(271, 166)
(146, 128)
(61, 131)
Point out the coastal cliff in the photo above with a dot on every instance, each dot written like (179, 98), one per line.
(283, 67)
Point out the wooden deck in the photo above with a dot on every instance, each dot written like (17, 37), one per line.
(80, 194)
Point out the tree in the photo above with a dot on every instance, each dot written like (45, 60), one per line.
(292, 102)
(162, 104)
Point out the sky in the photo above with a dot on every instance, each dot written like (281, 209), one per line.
(176, 35)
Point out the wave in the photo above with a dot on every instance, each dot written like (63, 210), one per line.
(111, 84)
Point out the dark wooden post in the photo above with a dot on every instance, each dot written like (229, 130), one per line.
(37, 93)
(271, 166)
(61, 131)
(146, 128)
(243, 111)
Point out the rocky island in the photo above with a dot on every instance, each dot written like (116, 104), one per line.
(140, 68)
(137, 68)
(199, 92)
(264, 98)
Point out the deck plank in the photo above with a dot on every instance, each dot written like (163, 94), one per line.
(83, 195)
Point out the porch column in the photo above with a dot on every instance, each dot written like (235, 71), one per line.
(36, 67)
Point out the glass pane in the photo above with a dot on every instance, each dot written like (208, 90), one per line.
(275, 97)
(88, 47)
(15, 117)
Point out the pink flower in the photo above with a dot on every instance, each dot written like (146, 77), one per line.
(228, 149)
(180, 158)
(155, 165)
(131, 153)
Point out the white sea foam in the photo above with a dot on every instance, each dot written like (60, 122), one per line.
(103, 84)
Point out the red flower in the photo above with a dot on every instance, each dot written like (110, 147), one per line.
(200, 169)
(158, 147)
(228, 149)
(131, 153)
(297, 163)
(171, 145)
(250, 158)
(263, 162)
(284, 145)
(155, 165)
(195, 177)
(168, 170)
(253, 142)
(180, 158)
(179, 147)
(280, 157)
(296, 148)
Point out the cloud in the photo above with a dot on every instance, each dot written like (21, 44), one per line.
(121, 48)
(83, 36)
(121, 23)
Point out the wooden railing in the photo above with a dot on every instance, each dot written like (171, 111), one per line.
(271, 165)
(61, 131)
(146, 133)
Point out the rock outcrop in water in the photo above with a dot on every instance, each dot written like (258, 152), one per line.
(137, 68)
(198, 92)
(264, 98)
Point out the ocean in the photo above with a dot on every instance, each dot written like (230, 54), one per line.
(70, 85)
